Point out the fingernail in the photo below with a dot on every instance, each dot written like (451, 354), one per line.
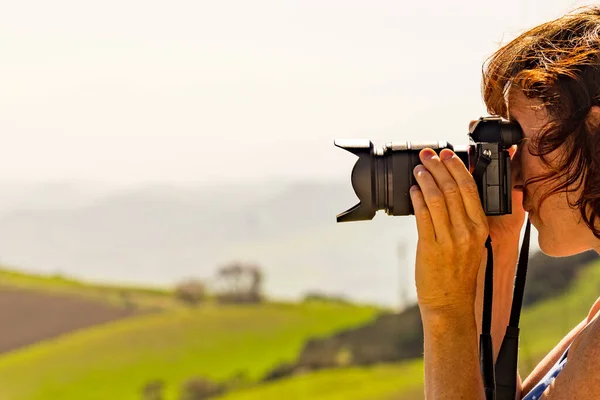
(427, 154)
(446, 155)
(414, 188)
(419, 169)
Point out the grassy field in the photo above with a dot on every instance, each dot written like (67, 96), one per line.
(387, 382)
(143, 297)
(542, 327)
(114, 361)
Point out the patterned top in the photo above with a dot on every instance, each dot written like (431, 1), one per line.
(537, 391)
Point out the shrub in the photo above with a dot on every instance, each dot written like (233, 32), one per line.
(153, 390)
(199, 388)
(191, 292)
(280, 371)
(238, 380)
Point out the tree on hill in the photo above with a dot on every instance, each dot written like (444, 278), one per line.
(239, 283)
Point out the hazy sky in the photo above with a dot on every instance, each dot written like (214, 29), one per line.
(180, 91)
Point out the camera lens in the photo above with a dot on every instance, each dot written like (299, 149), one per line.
(382, 178)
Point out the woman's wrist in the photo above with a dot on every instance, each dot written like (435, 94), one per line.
(449, 323)
(505, 241)
(449, 314)
(505, 252)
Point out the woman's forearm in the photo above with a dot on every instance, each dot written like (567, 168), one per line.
(451, 356)
(451, 343)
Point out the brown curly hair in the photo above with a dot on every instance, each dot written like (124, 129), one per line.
(558, 63)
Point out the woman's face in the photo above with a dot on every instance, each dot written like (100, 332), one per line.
(562, 232)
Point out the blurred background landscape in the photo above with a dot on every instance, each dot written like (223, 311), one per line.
(169, 187)
(160, 234)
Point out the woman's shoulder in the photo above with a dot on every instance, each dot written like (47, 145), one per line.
(587, 327)
(594, 310)
(590, 334)
(580, 377)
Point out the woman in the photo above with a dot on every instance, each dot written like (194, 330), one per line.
(548, 81)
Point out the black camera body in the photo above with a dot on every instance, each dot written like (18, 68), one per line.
(382, 177)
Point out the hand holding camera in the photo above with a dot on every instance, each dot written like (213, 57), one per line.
(448, 197)
(452, 229)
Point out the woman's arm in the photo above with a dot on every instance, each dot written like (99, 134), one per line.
(453, 229)
(451, 355)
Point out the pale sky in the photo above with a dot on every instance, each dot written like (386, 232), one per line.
(134, 91)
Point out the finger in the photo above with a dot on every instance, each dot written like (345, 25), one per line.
(466, 185)
(424, 222)
(434, 199)
(448, 186)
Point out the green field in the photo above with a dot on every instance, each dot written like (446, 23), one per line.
(119, 295)
(380, 382)
(542, 327)
(114, 361)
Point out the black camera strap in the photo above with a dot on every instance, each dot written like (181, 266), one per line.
(486, 351)
(500, 381)
(507, 363)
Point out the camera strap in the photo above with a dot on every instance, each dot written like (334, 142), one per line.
(500, 381)
(481, 166)
(486, 350)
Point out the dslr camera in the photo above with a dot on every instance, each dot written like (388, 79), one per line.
(382, 177)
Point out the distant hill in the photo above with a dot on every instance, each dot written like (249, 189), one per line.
(158, 234)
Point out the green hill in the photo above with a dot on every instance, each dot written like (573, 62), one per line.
(385, 382)
(542, 327)
(118, 295)
(114, 361)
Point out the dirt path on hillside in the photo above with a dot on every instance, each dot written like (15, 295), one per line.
(28, 316)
